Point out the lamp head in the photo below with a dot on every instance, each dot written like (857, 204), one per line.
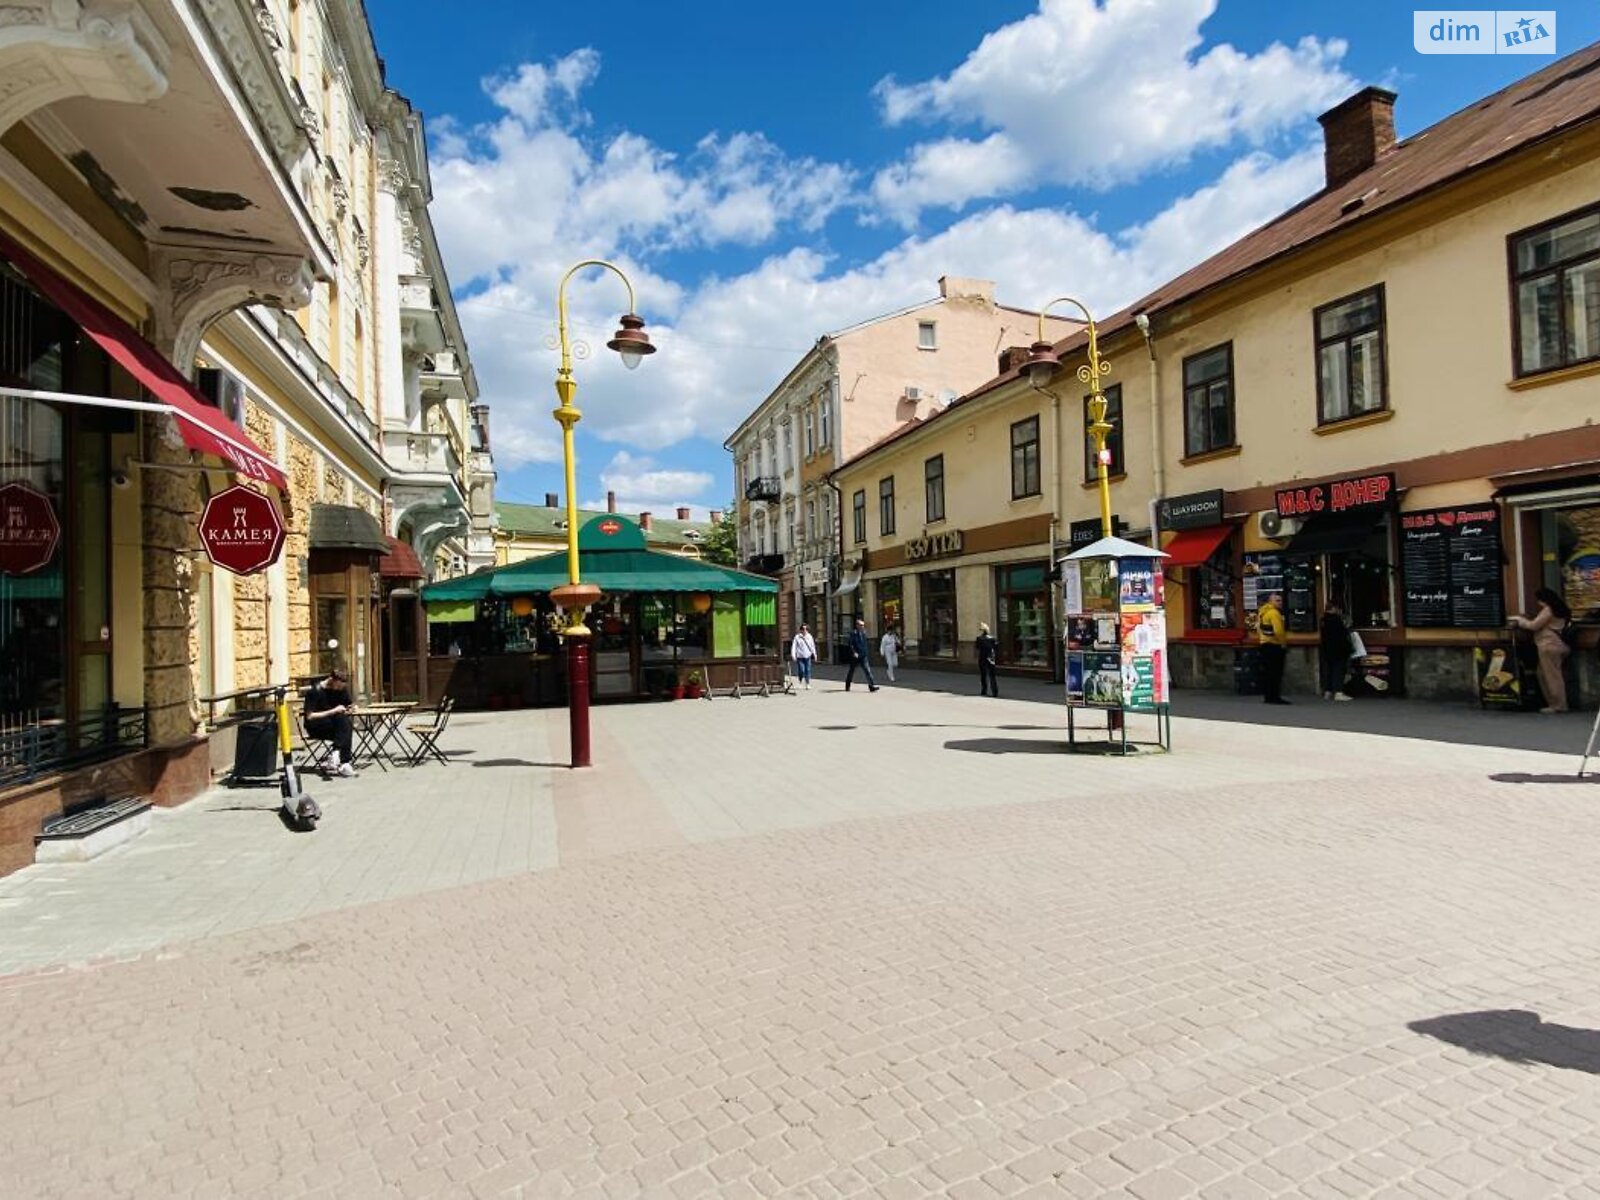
(1041, 364)
(631, 341)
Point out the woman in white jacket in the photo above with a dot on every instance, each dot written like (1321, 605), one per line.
(803, 652)
(889, 647)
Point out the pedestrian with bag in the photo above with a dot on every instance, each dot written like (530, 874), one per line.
(889, 647)
(1337, 648)
(1554, 635)
(858, 657)
(803, 652)
(1273, 633)
(988, 649)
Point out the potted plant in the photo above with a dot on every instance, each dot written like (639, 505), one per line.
(674, 687)
(692, 685)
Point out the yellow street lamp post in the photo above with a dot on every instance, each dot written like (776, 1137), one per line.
(1043, 362)
(575, 597)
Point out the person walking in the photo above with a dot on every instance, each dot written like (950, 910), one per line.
(889, 647)
(1550, 626)
(326, 712)
(858, 657)
(988, 655)
(1335, 653)
(1274, 635)
(803, 652)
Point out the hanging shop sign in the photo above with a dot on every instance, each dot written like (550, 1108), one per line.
(1194, 511)
(1086, 533)
(241, 530)
(29, 530)
(934, 545)
(1340, 496)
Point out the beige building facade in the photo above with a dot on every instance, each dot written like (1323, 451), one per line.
(1384, 401)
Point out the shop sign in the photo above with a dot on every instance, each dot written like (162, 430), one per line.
(241, 530)
(29, 530)
(1342, 495)
(1086, 533)
(1194, 511)
(934, 545)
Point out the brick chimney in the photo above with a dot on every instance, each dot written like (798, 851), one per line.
(611, 502)
(683, 512)
(1356, 133)
(1012, 357)
(646, 523)
(716, 516)
(951, 286)
(551, 500)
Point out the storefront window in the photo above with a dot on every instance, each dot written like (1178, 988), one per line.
(938, 635)
(33, 650)
(760, 624)
(727, 630)
(1211, 584)
(890, 613)
(331, 632)
(1024, 615)
(1362, 580)
(1572, 557)
(694, 625)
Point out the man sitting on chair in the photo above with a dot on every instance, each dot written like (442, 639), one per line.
(327, 717)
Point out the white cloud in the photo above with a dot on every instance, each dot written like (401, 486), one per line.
(643, 481)
(1096, 94)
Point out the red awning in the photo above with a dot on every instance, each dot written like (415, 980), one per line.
(1193, 546)
(202, 427)
(401, 562)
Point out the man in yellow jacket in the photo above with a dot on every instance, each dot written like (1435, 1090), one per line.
(1274, 634)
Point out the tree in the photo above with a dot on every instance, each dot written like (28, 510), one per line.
(722, 544)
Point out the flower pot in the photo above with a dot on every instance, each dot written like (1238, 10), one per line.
(692, 691)
(675, 692)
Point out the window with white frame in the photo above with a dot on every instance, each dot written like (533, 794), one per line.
(811, 431)
(788, 445)
(825, 407)
(927, 335)
(810, 530)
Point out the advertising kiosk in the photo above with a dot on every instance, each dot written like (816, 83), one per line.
(1115, 639)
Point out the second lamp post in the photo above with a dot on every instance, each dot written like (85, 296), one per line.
(1042, 364)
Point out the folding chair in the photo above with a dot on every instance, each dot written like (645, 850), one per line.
(429, 732)
(317, 751)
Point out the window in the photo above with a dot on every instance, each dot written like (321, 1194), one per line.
(927, 335)
(890, 615)
(858, 515)
(828, 526)
(938, 634)
(810, 530)
(1570, 544)
(770, 459)
(1025, 458)
(1116, 466)
(788, 445)
(933, 485)
(1208, 400)
(1211, 584)
(1023, 625)
(886, 506)
(825, 407)
(1555, 280)
(1350, 367)
(811, 432)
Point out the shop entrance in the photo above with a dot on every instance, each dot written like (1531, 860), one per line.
(612, 662)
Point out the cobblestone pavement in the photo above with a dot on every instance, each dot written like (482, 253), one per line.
(892, 944)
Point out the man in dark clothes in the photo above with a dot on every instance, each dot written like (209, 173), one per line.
(988, 648)
(327, 717)
(858, 656)
(1335, 654)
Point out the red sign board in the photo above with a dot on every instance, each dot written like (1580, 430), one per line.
(610, 528)
(1342, 495)
(241, 530)
(29, 530)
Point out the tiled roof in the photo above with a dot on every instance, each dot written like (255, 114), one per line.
(1562, 96)
(535, 520)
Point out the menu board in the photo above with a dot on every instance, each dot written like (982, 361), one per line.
(1292, 578)
(1451, 560)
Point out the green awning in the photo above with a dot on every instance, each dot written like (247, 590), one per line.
(444, 612)
(625, 571)
(470, 588)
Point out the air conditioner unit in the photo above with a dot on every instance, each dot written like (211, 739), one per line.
(1270, 525)
(913, 393)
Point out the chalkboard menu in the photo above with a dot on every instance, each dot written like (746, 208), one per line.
(1293, 578)
(1451, 562)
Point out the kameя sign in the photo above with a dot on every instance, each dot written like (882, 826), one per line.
(241, 530)
(29, 530)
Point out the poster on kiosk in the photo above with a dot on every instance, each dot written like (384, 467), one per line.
(1115, 629)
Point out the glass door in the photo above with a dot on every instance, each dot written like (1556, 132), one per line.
(611, 639)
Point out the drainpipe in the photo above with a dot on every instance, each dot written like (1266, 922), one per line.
(1157, 464)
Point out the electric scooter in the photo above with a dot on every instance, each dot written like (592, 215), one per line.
(300, 811)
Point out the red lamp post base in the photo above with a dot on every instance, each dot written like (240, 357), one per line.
(578, 698)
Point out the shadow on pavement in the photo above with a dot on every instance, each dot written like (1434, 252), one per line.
(1526, 777)
(1009, 746)
(514, 762)
(1517, 1035)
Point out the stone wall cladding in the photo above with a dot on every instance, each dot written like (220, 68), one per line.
(171, 506)
(1440, 673)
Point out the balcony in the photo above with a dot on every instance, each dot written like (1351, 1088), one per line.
(764, 564)
(421, 323)
(413, 452)
(767, 488)
(441, 377)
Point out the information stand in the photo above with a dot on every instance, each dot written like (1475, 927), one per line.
(1115, 630)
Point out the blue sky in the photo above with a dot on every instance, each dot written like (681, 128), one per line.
(768, 173)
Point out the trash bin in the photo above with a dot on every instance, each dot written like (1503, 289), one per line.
(255, 752)
(1247, 672)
